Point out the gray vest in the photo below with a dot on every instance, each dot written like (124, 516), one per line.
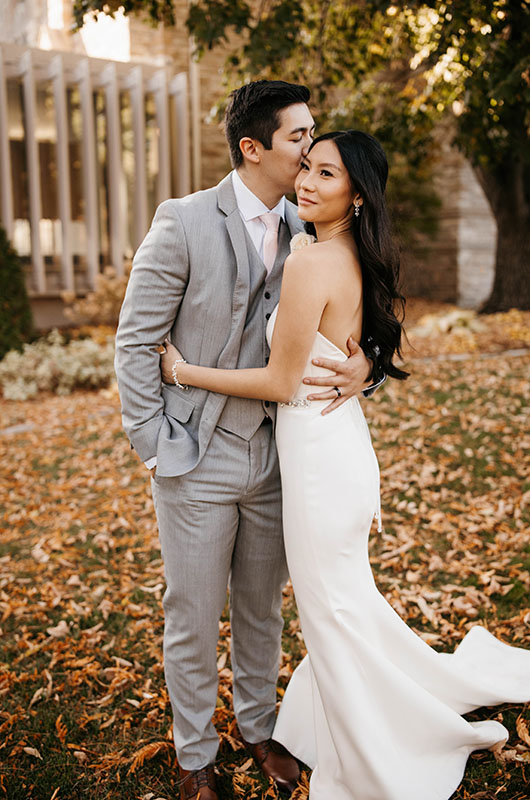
(241, 416)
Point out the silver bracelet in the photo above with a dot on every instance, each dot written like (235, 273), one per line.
(174, 373)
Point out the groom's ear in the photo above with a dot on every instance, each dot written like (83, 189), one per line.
(249, 149)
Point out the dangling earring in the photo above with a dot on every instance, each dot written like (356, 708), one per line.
(357, 208)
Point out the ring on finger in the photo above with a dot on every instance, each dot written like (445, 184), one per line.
(339, 393)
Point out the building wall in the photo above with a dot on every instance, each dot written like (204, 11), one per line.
(21, 20)
(477, 241)
(455, 265)
(430, 270)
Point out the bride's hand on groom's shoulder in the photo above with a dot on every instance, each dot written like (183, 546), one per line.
(168, 357)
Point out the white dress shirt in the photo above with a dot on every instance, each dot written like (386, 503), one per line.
(250, 207)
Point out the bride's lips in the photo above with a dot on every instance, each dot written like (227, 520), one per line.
(306, 201)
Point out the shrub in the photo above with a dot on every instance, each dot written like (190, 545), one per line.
(52, 365)
(102, 306)
(16, 321)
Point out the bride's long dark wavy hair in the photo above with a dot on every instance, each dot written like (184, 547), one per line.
(367, 166)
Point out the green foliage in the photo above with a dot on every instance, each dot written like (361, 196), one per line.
(16, 322)
(479, 55)
(210, 19)
(273, 40)
(155, 10)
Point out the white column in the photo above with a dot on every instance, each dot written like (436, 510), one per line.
(141, 222)
(6, 190)
(195, 101)
(117, 218)
(32, 155)
(178, 88)
(63, 171)
(90, 191)
(162, 118)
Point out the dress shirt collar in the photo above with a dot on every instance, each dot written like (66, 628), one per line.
(251, 206)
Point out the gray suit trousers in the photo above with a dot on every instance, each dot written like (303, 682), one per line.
(220, 524)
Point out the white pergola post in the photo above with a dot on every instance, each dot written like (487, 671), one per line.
(164, 153)
(178, 88)
(32, 155)
(6, 190)
(195, 101)
(90, 191)
(63, 171)
(141, 222)
(117, 218)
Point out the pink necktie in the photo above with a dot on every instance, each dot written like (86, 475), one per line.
(270, 240)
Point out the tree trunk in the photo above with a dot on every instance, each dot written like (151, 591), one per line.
(507, 191)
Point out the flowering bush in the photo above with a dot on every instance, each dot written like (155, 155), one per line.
(52, 364)
(455, 320)
(102, 306)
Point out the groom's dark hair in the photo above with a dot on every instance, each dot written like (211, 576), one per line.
(253, 110)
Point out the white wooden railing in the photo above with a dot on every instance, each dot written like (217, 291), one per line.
(23, 73)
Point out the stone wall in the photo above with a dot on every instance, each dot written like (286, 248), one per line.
(477, 241)
(430, 270)
(215, 156)
(456, 265)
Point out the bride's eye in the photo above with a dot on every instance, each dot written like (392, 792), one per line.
(326, 173)
(304, 166)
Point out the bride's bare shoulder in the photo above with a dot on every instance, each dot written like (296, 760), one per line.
(305, 260)
(321, 255)
(321, 268)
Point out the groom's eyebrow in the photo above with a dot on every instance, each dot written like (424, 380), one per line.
(303, 129)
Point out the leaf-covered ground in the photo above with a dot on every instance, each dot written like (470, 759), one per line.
(84, 709)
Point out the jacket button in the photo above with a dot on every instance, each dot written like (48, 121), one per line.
(267, 295)
(267, 316)
(267, 404)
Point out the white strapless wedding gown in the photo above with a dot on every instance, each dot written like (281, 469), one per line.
(372, 708)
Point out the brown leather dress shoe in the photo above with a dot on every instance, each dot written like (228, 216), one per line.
(198, 784)
(277, 763)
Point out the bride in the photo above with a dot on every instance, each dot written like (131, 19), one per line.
(372, 708)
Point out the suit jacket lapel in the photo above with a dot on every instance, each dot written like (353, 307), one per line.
(236, 232)
(294, 222)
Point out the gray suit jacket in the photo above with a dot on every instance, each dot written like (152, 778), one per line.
(190, 279)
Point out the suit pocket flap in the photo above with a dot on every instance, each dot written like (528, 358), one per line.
(176, 406)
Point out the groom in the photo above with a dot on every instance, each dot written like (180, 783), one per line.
(209, 274)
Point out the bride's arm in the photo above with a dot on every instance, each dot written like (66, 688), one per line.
(302, 301)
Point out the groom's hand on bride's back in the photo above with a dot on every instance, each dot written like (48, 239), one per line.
(348, 377)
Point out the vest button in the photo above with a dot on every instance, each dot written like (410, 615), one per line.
(267, 404)
(267, 295)
(267, 316)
